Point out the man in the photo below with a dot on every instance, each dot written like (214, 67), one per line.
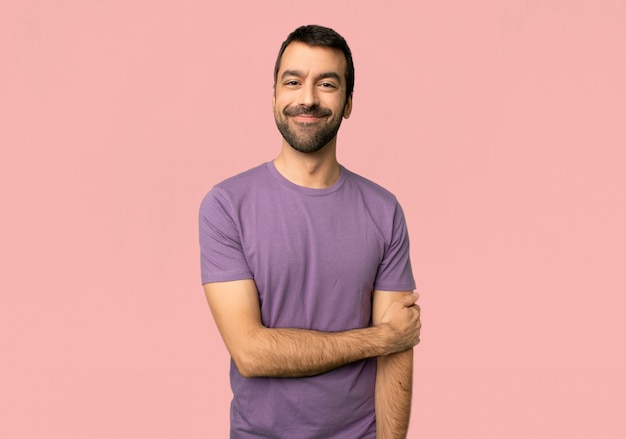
(306, 269)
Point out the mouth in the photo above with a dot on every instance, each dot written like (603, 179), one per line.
(306, 118)
(306, 115)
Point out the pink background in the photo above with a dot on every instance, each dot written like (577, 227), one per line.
(499, 124)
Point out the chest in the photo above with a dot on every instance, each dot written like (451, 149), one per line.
(314, 261)
(329, 235)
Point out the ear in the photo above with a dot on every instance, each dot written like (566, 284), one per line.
(347, 109)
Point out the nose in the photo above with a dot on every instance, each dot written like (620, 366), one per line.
(308, 95)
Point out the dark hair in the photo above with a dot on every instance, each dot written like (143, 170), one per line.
(314, 35)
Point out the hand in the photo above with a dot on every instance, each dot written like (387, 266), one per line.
(403, 319)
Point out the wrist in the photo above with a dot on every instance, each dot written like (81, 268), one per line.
(387, 340)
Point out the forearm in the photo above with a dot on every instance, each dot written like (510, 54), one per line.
(286, 352)
(258, 351)
(394, 384)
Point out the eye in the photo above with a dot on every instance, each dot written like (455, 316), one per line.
(291, 83)
(327, 85)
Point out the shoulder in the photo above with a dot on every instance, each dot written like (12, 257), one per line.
(244, 180)
(370, 190)
(234, 188)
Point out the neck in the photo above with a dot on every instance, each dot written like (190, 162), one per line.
(316, 170)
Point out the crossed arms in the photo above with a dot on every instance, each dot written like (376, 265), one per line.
(258, 351)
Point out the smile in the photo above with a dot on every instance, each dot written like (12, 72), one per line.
(305, 118)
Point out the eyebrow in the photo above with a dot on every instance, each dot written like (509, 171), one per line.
(299, 74)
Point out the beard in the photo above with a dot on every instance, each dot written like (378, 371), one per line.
(307, 137)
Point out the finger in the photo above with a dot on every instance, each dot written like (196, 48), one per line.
(407, 300)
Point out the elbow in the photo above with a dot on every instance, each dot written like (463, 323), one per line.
(246, 369)
(249, 355)
(246, 365)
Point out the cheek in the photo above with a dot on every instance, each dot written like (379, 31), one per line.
(279, 104)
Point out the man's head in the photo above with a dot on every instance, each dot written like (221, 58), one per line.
(313, 35)
(314, 79)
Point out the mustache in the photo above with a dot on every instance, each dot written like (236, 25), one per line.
(300, 110)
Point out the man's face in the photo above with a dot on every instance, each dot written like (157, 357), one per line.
(310, 96)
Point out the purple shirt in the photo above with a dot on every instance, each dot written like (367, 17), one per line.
(315, 256)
